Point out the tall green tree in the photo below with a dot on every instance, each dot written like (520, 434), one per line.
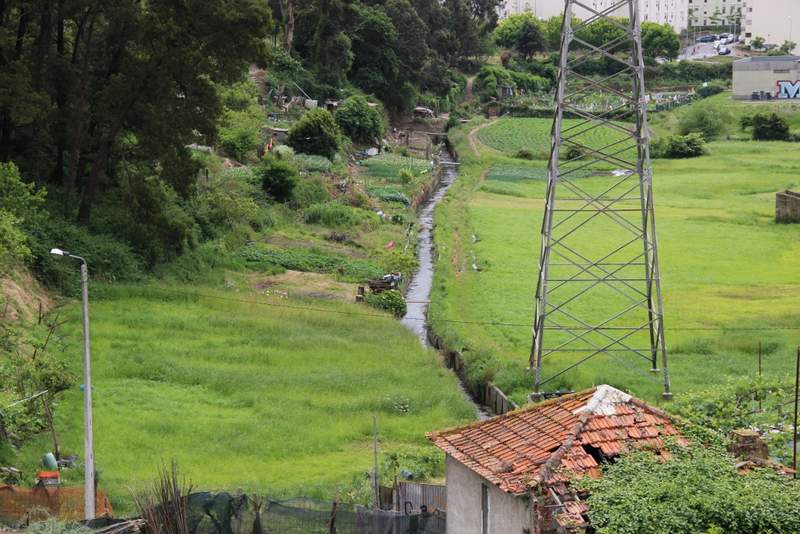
(90, 74)
(660, 40)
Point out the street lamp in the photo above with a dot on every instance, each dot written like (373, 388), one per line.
(88, 438)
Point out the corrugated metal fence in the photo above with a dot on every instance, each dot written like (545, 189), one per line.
(410, 497)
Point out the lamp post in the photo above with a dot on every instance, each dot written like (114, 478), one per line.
(88, 434)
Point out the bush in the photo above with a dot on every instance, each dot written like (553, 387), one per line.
(313, 163)
(524, 154)
(148, 214)
(334, 215)
(679, 146)
(224, 205)
(710, 89)
(240, 133)
(359, 121)
(770, 127)
(316, 133)
(391, 301)
(278, 177)
(108, 259)
(704, 118)
(308, 192)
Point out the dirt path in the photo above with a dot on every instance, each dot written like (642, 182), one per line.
(470, 95)
(474, 144)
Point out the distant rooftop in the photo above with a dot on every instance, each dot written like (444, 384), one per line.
(768, 59)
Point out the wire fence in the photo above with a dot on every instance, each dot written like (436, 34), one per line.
(223, 513)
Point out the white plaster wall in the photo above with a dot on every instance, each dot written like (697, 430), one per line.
(507, 514)
(774, 20)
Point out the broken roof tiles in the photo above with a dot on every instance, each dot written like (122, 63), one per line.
(511, 450)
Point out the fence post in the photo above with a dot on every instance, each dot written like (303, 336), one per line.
(332, 520)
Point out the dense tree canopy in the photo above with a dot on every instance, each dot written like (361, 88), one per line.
(78, 78)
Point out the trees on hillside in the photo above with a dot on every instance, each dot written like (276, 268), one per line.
(79, 77)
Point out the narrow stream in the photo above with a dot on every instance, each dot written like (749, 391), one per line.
(419, 288)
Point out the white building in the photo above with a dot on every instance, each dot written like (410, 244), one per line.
(774, 20)
(715, 12)
(510, 474)
(672, 12)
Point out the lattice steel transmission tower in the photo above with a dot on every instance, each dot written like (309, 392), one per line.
(598, 295)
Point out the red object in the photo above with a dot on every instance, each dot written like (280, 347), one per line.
(389, 245)
(42, 475)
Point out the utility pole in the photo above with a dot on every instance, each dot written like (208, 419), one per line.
(88, 435)
(88, 430)
(599, 300)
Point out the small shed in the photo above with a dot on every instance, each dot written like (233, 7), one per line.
(787, 207)
(510, 474)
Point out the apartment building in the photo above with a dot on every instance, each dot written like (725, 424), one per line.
(774, 20)
(672, 12)
(715, 12)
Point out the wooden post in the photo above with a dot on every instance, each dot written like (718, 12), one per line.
(332, 520)
(376, 496)
(794, 435)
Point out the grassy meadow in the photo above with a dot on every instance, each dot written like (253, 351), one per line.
(257, 395)
(725, 264)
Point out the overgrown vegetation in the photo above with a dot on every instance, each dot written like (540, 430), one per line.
(697, 490)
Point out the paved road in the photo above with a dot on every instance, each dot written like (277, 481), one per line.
(699, 51)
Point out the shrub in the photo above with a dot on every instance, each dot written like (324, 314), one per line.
(704, 118)
(308, 192)
(148, 214)
(524, 154)
(313, 163)
(391, 301)
(406, 176)
(316, 133)
(225, 204)
(710, 89)
(359, 121)
(108, 258)
(333, 215)
(278, 177)
(283, 152)
(240, 133)
(770, 127)
(679, 146)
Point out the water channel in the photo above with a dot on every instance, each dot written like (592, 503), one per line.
(419, 288)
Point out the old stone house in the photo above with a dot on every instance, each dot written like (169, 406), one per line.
(510, 474)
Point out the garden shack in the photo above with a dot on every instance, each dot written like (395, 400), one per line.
(787, 207)
(510, 474)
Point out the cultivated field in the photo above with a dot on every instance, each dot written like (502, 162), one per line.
(726, 266)
(511, 135)
(267, 398)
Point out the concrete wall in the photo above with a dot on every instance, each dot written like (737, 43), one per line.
(749, 77)
(774, 20)
(507, 514)
(672, 12)
(715, 12)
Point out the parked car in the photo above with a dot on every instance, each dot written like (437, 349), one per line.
(706, 39)
(724, 50)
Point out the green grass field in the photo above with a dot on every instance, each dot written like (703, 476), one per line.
(726, 265)
(265, 398)
(511, 135)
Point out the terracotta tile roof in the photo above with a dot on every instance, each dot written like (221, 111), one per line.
(571, 432)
